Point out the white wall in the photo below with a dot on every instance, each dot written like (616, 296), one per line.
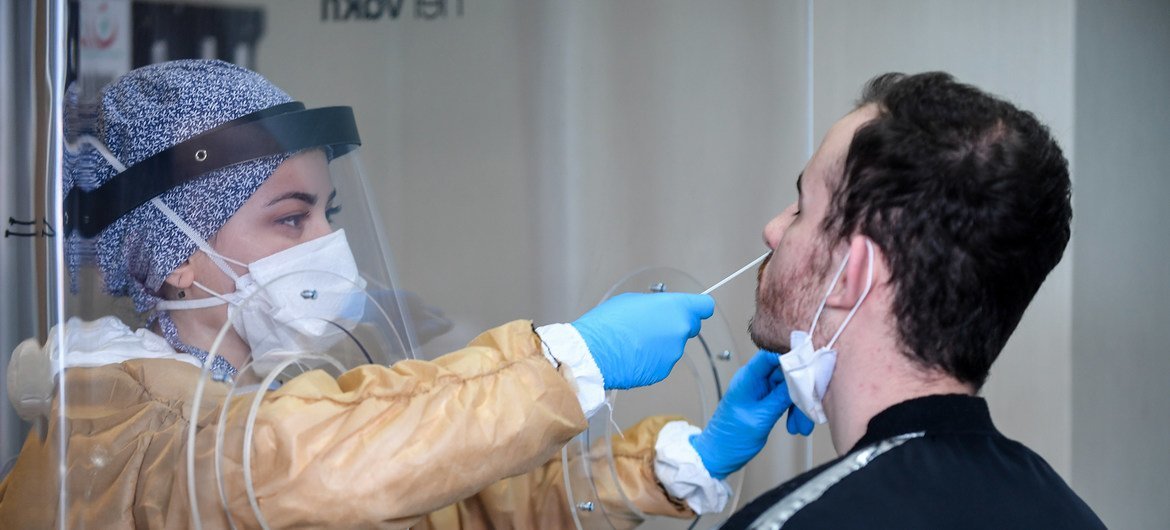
(680, 129)
(1121, 277)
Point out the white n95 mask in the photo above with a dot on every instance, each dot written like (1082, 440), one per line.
(302, 299)
(808, 370)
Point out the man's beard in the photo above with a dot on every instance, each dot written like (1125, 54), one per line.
(787, 304)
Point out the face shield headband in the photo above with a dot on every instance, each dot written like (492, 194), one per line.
(285, 128)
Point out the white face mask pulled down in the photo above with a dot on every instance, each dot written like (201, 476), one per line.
(807, 370)
(286, 303)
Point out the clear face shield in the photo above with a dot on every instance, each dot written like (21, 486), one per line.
(298, 279)
(328, 304)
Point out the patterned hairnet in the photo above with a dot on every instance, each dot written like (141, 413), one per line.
(147, 111)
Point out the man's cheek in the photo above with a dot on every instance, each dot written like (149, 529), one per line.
(768, 286)
(760, 271)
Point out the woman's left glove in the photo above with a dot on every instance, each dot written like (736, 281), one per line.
(754, 402)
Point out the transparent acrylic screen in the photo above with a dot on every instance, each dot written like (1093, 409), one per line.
(520, 167)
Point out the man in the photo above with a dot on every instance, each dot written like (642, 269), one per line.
(925, 223)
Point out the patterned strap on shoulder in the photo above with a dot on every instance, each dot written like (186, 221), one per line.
(782, 511)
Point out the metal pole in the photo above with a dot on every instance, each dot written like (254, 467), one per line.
(19, 309)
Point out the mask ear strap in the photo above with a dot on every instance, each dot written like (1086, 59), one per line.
(864, 293)
(825, 300)
(197, 239)
(216, 299)
(112, 160)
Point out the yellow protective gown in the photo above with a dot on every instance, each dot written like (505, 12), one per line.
(470, 440)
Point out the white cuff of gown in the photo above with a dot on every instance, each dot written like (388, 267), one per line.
(562, 344)
(682, 473)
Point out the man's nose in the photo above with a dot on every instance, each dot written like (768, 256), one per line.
(774, 230)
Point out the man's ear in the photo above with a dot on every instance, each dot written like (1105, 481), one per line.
(852, 283)
(183, 277)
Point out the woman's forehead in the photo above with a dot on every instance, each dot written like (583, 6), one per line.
(307, 170)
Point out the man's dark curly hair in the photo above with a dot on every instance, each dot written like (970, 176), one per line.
(970, 200)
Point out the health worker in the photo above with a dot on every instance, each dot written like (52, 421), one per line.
(233, 349)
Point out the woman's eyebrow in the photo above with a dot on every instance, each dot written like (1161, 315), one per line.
(307, 198)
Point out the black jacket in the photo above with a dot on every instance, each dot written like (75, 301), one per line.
(960, 473)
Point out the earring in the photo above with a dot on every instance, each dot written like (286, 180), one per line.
(182, 294)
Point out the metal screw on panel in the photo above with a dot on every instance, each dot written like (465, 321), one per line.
(658, 287)
(725, 355)
(585, 506)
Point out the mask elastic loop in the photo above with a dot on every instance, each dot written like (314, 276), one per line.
(113, 161)
(194, 236)
(825, 300)
(864, 293)
(216, 299)
(178, 221)
(208, 290)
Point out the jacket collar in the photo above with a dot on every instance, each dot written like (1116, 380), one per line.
(935, 414)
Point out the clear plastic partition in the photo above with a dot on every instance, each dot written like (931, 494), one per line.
(337, 309)
(217, 238)
(691, 392)
(297, 280)
(519, 155)
(230, 483)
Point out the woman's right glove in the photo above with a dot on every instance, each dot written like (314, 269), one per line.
(636, 338)
(754, 402)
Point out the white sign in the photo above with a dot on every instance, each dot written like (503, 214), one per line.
(104, 34)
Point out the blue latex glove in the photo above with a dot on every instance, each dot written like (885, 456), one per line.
(798, 423)
(754, 402)
(636, 338)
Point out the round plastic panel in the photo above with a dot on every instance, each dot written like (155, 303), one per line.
(692, 391)
(375, 338)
